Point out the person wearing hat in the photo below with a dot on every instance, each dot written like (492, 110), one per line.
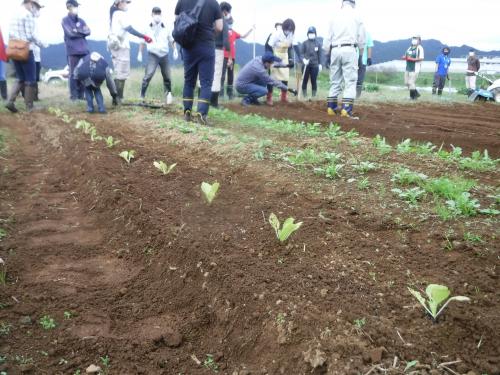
(119, 43)
(281, 43)
(3, 75)
(413, 57)
(158, 54)
(91, 72)
(253, 80)
(345, 43)
(230, 55)
(76, 32)
(473, 66)
(443, 63)
(23, 27)
(310, 50)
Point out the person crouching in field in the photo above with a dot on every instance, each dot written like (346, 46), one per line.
(443, 62)
(413, 57)
(91, 72)
(254, 80)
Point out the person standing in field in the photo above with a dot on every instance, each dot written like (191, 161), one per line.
(158, 52)
(473, 66)
(310, 50)
(199, 58)
(3, 74)
(221, 44)
(281, 44)
(443, 63)
(119, 43)
(413, 57)
(23, 28)
(76, 32)
(345, 43)
(364, 61)
(230, 55)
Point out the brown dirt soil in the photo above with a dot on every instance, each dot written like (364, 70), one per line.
(472, 127)
(155, 277)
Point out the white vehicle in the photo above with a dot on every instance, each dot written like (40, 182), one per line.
(56, 76)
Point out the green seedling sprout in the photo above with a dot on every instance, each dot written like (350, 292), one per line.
(436, 294)
(210, 191)
(288, 227)
(110, 142)
(47, 322)
(127, 155)
(163, 167)
(66, 119)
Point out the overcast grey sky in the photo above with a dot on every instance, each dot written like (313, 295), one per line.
(454, 22)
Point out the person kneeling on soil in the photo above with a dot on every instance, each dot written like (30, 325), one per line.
(253, 80)
(91, 72)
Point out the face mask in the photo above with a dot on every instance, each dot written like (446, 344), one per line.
(74, 11)
(287, 33)
(311, 36)
(446, 53)
(414, 42)
(228, 16)
(157, 18)
(35, 12)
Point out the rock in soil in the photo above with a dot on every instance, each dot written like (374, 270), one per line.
(93, 369)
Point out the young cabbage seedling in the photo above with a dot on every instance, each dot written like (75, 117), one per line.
(128, 155)
(210, 191)
(163, 167)
(110, 142)
(289, 226)
(436, 294)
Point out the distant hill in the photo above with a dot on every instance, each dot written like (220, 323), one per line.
(55, 56)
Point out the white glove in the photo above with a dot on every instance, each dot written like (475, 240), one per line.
(139, 57)
(305, 61)
(320, 67)
(176, 54)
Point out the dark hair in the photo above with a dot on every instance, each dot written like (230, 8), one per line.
(225, 7)
(288, 25)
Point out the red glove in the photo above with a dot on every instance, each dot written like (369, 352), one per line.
(147, 39)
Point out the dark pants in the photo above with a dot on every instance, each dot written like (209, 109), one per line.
(312, 73)
(26, 70)
(198, 61)
(76, 89)
(230, 78)
(153, 62)
(90, 93)
(361, 79)
(439, 82)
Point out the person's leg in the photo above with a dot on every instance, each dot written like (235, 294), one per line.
(252, 93)
(224, 72)
(16, 88)
(99, 99)
(29, 68)
(216, 84)
(151, 66)
(206, 70)
(166, 74)
(440, 84)
(412, 79)
(336, 81)
(75, 87)
(435, 84)
(190, 77)
(306, 71)
(350, 74)
(3, 81)
(361, 80)
(89, 97)
(473, 80)
(417, 94)
(121, 63)
(314, 80)
(230, 82)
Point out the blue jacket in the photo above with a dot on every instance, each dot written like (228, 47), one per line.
(443, 62)
(75, 33)
(91, 73)
(256, 73)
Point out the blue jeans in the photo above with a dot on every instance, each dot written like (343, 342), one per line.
(252, 91)
(76, 89)
(2, 71)
(90, 92)
(198, 61)
(26, 70)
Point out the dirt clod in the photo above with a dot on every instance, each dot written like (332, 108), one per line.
(315, 357)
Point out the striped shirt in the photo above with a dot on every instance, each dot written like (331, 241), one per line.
(23, 27)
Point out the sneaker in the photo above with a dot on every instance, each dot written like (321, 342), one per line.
(344, 113)
(187, 116)
(246, 102)
(170, 98)
(11, 107)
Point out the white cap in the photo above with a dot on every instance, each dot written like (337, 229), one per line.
(95, 56)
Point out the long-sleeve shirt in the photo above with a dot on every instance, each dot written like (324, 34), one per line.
(75, 33)
(311, 50)
(473, 65)
(162, 39)
(23, 27)
(256, 73)
(345, 28)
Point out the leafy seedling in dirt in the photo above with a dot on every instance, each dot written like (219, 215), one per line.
(436, 294)
(3, 234)
(93, 135)
(66, 119)
(3, 272)
(381, 145)
(404, 176)
(83, 125)
(472, 238)
(210, 363)
(464, 205)
(365, 167)
(127, 155)
(163, 167)
(68, 315)
(5, 328)
(110, 142)
(478, 162)
(410, 365)
(289, 226)
(412, 196)
(47, 322)
(360, 323)
(364, 184)
(210, 191)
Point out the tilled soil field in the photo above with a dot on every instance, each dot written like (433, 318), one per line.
(472, 127)
(143, 277)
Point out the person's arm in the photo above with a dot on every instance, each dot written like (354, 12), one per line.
(30, 30)
(244, 36)
(219, 25)
(84, 30)
(265, 78)
(69, 32)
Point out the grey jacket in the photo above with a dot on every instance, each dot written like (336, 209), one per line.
(311, 50)
(256, 73)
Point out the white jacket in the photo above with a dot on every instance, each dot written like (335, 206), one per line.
(345, 28)
(162, 39)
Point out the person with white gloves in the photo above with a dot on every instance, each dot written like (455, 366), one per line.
(345, 42)
(158, 52)
(310, 50)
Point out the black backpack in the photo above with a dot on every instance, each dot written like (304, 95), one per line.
(186, 26)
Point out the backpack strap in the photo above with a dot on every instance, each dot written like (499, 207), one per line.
(197, 9)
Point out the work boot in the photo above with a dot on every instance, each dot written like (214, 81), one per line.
(16, 89)
(36, 98)
(230, 95)
(347, 111)
(269, 100)
(412, 95)
(188, 116)
(214, 99)
(440, 92)
(120, 86)
(314, 93)
(202, 119)
(29, 97)
(3, 89)
(332, 104)
(144, 88)
(284, 96)
(433, 91)
(359, 89)
(417, 94)
(304, 94)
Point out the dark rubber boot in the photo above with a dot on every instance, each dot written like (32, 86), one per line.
(440, 92)
(214, 100)
(120, 86)
(144, 88)
(269, 99)
(16, 89)
(359, 89)
(29, 97)
(230, 93)
(3, 89)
